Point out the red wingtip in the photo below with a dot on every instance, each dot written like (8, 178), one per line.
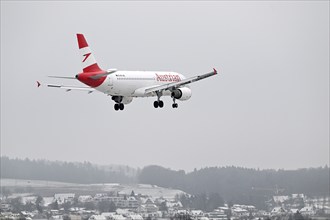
(215, 71)
(38, 84)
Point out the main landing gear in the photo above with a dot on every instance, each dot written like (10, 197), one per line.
(174, 105)
(159, 103)
(118, 105)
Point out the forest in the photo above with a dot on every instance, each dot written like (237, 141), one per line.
(84, 173)
(234, 184)
(241, 185)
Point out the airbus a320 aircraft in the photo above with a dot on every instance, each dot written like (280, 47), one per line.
(123, 86)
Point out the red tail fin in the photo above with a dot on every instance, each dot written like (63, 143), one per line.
(88, 61)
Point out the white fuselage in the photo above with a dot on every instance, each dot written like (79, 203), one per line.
(124, 86)
(133, 83)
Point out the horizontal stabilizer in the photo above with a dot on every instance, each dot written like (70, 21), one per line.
(62, 77)
(108, 72)
(69, 88)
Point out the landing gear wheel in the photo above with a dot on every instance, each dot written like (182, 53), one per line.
(121, 106)
(156, 104)
(161, 104)
(174, 105)
(116, 106)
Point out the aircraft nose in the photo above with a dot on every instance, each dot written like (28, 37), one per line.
(77, 76)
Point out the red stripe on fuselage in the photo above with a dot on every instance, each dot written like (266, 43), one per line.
(85, 78)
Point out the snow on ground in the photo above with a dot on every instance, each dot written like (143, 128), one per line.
(144, 189)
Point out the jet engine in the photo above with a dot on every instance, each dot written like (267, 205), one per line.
(182, 93)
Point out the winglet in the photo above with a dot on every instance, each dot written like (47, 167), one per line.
(38, 84)
(215, 71)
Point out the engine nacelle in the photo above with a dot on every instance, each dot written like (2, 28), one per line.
(182, 93)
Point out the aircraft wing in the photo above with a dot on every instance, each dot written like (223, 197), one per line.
(174, 85)
(69, 88)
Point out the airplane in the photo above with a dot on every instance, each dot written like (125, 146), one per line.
(123, 86)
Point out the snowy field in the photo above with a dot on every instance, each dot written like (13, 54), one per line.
(49, 187)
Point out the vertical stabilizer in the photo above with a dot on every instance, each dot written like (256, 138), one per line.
(87, 59)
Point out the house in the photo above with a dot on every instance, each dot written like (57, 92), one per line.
(118, 217)
(239, 212)
(171, 204)
(27, 214)
(29, 199)
(4, 207)
(308, 210)
(85, 198)
(64, 197)
(56, 217)
(132, 202)
(76, 210)
(172, 207)
(196, 213)
(123, 212)
(108, 215)
(183, 212)
(147, 208)
(40, 217)
(97, 217)
(134, 217)
(262, 214)
(217, 215)
(225, 209)
(278, 211)
(327, 210)
(297, 196)
(149, 201)
(75, 217)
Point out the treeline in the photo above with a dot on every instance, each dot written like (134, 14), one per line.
(83, 173)
(241, 185)
(233, 184)
(206, 202)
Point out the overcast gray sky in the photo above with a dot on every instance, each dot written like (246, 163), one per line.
(268, 107)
